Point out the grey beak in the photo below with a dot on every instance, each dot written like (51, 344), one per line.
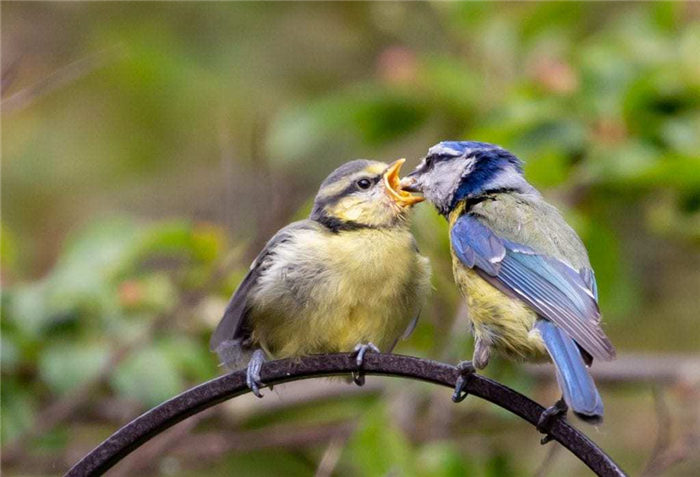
(409, 184)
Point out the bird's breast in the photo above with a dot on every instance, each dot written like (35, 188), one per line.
(328, 292)
(503, 322)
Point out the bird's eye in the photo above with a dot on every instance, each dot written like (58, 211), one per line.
(364, 183)
(429, 162)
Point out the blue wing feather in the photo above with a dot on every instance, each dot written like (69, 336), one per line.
(476, 246)
(551, 287)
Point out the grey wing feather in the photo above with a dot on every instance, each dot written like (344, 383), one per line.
(414, 322)
(411, 326)
(589, 278)
(409, 330)
(230, 337)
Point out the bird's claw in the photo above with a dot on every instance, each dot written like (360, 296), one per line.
(359, 352)
(466, 370)
(252, 376)
(544, 424)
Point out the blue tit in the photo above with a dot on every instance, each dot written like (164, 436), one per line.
(349, 275)
(523, 271)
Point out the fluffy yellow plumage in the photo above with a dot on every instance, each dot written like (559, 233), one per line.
(372, 290)
(349, 275)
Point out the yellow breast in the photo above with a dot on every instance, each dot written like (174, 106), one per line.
(503, 322)
(373, 285)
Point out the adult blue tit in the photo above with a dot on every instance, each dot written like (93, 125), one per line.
(523, 271)
(349, 277)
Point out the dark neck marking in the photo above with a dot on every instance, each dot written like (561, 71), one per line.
(336, 225)
(487, 165)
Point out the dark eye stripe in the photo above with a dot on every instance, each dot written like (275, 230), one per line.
(350, 189)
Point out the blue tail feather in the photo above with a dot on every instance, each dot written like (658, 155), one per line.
(576, 384)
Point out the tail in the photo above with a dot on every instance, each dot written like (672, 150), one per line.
(232, 354)
(577, 386)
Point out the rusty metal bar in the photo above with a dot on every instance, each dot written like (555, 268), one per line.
(201, 397)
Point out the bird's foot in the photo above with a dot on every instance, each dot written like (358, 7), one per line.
(252, 375)
(359, 352)
(466, 370)
(547, 419)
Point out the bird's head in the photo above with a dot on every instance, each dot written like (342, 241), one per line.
(456, 170)
(363, 194)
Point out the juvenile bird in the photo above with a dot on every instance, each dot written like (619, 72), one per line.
(524, 272)
(349, 277)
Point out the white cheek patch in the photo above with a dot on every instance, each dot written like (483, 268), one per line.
(445, 178)
(353, 214)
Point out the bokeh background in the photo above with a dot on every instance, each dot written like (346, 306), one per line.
(150, 149)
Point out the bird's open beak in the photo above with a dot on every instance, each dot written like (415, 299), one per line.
(393, 187)
(409, 184)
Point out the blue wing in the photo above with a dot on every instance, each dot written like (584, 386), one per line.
(551, 287)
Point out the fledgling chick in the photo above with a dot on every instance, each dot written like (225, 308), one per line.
(524, 272)
(349, 277)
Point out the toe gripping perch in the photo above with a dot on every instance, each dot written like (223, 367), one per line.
(466, 371)
(547, 419)
(253, 372)
(359, 352)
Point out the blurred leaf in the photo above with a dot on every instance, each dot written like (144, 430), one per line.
(616, 289)
(27, 308)
(259, 464)
(209, 242)
(171, 237)
(675, 218)
(459, 91)
(369, 114)
(378, 447)
(443, 459)
(626, 163)
(655, 98)
(154, 292)
(675, 171)
(9, 353)
(547, 169)
(666, 15)
(149, 376)
(67, 365)
(8, 249)
(94, 256)
(193, 360)
(681, 134)
(202, 242)
(549, 15)
(501, 463)
(17, 407)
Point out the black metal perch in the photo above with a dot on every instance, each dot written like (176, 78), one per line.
(201, 397)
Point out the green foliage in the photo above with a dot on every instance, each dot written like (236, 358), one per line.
(149, 376)
(378, 447)
(18, 409)
(114, 278)
(64, 366)
(443, 459)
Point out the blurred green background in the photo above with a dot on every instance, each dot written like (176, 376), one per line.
(150, 149)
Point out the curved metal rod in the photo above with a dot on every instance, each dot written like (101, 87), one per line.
(206, 395)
